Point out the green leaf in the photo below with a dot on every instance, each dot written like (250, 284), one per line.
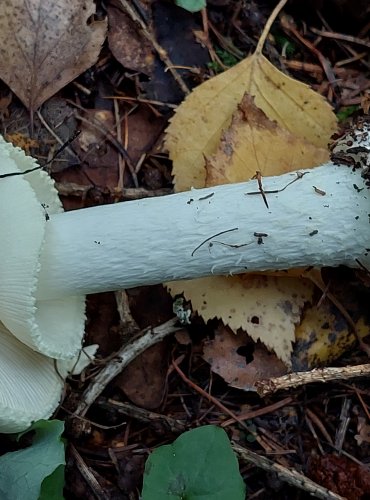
(191, 5)
(200, 464)
(37, 470)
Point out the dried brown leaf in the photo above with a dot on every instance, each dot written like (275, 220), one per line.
(240, 362)
(127, 44)
(45, 45)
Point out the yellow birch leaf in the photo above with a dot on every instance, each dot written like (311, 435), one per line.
(268, 308)
(196, 127)
(290, 114)
(242, 149)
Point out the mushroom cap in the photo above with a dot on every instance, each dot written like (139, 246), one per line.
(52, 327)
(31, 384)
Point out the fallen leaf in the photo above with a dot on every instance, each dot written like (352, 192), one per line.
(280, 125)
(324, 333)
(44, 45)
(22, 141)
(240, 361)
(195, 130)
(247, 136)
(127, 44)
(144, 379)
(267, 308)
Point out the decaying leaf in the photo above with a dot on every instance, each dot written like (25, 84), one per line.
(268, 308)
(44, 45)
(127, 44)
(242, 150)
(240, 361)
(195, 130)
(324, 334)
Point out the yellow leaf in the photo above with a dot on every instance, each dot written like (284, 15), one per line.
(242, 150)
(290, 132)
(266, 307)
(195, 130)
(325, 332)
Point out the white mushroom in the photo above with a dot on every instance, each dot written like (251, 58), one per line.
(52, 327)
(31, 386)
(317, 217)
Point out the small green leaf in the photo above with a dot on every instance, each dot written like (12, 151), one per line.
(346, 112)
(200, 464)
(37, 470)
(191, 5)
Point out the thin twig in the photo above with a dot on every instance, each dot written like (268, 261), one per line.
(129, 9)
(97, 124)
(89, 477)
(122, 358)
(293, 380)
(290, 476)
(341, 36)
(143, 415)
(261, 411)
(56, 137)
(208, 396)
(121, 161)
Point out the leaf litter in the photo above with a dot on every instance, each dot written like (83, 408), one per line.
(280, 432)
(44, 49)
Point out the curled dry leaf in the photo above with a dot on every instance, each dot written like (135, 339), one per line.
(127, 44)
(45, 45)
(240, 362)
(196, 128)
(268, 308)
(242, 150)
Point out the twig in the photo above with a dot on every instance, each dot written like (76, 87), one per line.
(143, 415)
(341, 36)
(261, 411)
(208, 396)
(95, 123)
(142, 100)
(290, 476)
(344, 420)
(123, 357)
(121, 161)
(293, 380)
(56, 137)
(89, 477)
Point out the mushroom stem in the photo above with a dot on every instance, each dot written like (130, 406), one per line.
(317, 217)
